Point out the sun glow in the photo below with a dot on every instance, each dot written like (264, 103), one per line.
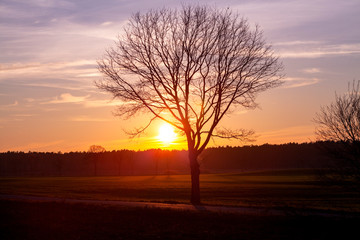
(166, 134)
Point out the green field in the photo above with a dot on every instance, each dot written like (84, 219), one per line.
(293, 190)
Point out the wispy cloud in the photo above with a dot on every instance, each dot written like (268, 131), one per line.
(106, 23)
(299, 82)
(14, 104)
(86, 101)
(34, 146)
(67, 98)
(297, 43)
(318, 51)
(75, 75)
(11, 117)
(311, 70)
(64, 85)
(102, 103)
(23, 115)
(302, 133)
(67, 70)
(88, 119)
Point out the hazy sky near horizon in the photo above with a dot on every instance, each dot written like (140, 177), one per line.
(48, 53)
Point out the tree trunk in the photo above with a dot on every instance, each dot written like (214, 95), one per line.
(195, 180)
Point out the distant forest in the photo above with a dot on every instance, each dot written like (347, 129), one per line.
(160, 162)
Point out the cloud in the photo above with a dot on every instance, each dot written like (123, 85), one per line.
(16, 103)
(301, 133)
(321, 50)
(280, 14)
(88, 119)
(51, 3)
(297, 43)
(55, 85)
(48, 68)
(23, 115)
(67, 98)
(311, 70)
(102, 103)
(299, 82)
(86, 101)
(106, 23)
(74, 75)
(34, 146)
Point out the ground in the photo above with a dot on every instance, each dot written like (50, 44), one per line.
(309, 210)
(39, 220)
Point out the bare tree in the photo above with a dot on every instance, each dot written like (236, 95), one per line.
(94, 151)
(189, 68)
(339, 123)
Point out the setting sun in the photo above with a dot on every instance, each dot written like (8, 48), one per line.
(166, 133)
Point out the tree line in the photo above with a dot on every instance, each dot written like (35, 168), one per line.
(160, 162)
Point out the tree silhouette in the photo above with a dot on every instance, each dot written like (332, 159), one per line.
(189, 68)
(339, 122)
(94, 151)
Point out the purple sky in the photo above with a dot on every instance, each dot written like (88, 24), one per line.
(49, 49)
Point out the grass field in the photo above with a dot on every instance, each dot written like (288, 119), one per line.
(293, 190)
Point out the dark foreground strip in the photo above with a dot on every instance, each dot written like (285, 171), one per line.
(182, 207)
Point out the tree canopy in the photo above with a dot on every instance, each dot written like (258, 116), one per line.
(189, 67)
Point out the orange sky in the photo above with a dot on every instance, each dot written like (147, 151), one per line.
(48, 101)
